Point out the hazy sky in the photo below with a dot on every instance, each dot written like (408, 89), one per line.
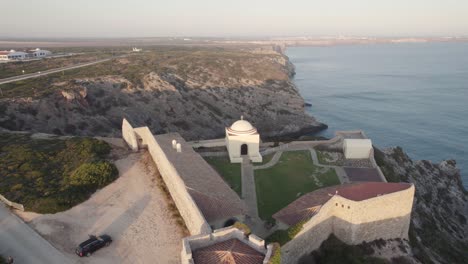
(152, 18)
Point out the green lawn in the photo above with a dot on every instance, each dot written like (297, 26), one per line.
(231, 172)
(265, 159)
(290, 178)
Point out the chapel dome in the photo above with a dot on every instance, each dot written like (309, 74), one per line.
(242, 127)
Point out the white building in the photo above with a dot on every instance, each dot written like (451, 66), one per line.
(242, 139)
(4, 55)
(17, 55)
(39, 53)
(357, 148)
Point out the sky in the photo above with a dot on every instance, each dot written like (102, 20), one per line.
(231, 18)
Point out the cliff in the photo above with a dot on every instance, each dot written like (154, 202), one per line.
(193, 91)
(439, 228)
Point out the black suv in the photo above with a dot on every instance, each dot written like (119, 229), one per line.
(92, 244)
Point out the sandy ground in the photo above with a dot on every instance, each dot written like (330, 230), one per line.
(132, 210)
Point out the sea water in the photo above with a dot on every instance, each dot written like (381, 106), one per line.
(409, 95)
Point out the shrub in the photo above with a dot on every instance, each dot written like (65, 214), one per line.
(96, 174)
(38, 172)
(243, 227)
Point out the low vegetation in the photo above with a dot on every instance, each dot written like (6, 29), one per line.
(231, 172)
(2, 260)
(52, 175)
(293, 175)
(276, 256)
(284, 236)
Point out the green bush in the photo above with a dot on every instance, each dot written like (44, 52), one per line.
(243, 227)
(39, 173)
(96, 174)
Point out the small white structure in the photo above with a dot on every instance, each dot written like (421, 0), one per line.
(136, 49)
(357, 148)
(242, 139)
(39, 53)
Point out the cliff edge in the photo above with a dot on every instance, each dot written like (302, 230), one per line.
(193, 91)
(439, 227)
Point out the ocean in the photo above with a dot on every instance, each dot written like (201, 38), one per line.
(413, 95)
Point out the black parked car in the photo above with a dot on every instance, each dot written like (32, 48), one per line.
(92, 244)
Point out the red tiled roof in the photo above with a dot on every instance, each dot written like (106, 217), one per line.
(309, 204)
(231, 251)
(4, 52)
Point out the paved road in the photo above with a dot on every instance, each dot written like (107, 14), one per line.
(47, 72)
(21, 242)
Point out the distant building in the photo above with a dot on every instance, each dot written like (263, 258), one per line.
(20, 55)
(4, 55)
(39, 53)
(136, 49)
(17, 55)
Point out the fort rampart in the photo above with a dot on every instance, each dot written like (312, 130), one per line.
(194, 219)
(353, 222)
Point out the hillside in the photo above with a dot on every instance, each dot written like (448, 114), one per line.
(193, 91)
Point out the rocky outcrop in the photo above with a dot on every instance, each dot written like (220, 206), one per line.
(195, 93)
(439, 225)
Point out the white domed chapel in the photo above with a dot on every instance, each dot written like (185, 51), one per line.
(242, 139)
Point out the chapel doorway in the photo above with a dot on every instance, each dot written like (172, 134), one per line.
(244, 149)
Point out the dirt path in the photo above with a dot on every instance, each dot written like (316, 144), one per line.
(132, 210)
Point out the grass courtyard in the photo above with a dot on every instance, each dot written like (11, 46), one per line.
(294, 175)
(231, 172)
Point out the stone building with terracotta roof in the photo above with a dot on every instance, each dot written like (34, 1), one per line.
(354, 213)
(225, 246)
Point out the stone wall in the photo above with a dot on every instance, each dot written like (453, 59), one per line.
(194, 219)
(386, 217)
(129, 135)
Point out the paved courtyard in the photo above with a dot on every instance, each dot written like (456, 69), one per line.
(363, 174)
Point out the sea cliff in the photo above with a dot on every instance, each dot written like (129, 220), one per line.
(194, 91)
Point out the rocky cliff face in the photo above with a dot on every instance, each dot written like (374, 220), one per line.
(439, 227)
(194, 92)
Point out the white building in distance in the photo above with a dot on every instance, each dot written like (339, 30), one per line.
(17, 55)
(357, 148)
(242, 139)
(39, 53)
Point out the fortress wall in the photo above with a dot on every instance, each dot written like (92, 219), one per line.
(129, 135)
(188, 209)
(385, 217)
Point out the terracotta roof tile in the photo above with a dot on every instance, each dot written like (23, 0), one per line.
(231, 251)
